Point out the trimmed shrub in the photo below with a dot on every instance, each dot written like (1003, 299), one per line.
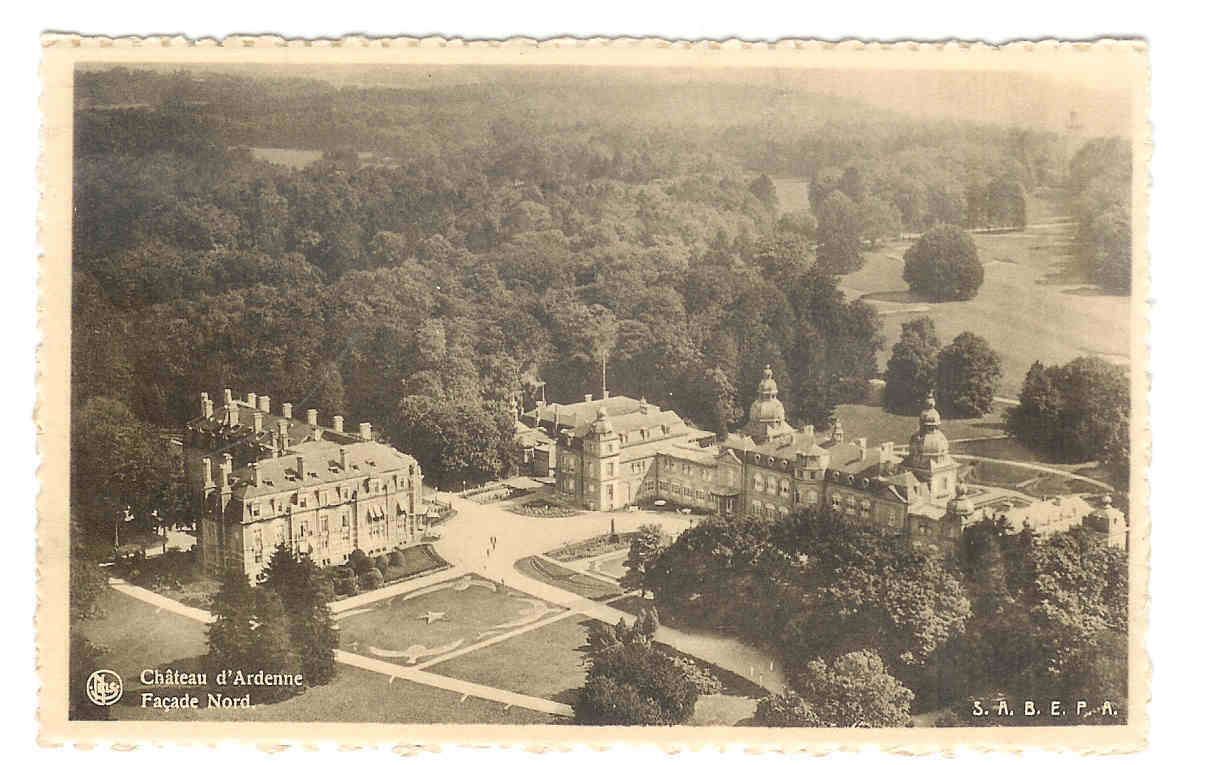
(382, 564)
(360, 562)
(370, 580)
(396, 559)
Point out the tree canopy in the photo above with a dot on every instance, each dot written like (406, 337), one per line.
(943, 265)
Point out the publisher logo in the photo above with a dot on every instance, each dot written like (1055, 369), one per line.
(104, 687)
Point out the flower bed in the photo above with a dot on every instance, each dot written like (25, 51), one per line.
(590, 548)
(540, 508)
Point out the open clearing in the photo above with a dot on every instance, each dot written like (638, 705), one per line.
(1029, 307)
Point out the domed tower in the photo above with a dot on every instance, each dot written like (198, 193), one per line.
(929, 456)
(767, 417)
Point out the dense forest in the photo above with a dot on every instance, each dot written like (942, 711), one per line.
(454, 246)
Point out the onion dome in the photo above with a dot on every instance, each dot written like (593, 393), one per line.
(929, 415)
(929, 441)
(767, 409)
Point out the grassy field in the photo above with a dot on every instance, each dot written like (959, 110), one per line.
(546, 662)
(566, 579)
(876, 425)
(356, 695)
(549, 662)
(472, 608)
(137, 636)
(1028, 308)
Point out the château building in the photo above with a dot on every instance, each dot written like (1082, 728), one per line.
(628, 452)
(261, 479)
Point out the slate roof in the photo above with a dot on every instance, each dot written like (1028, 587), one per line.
(322, 465)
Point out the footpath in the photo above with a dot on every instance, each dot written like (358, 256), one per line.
(412, 674)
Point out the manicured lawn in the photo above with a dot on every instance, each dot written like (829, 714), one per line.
(549, 662)
(357, 695)
(877, 425)
(137, 635)
(590, 548)
(472, 609)
(613, 566)
(566, 579)
(546, 662)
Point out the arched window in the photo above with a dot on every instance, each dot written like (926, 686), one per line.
(785, 487)
(758, 482)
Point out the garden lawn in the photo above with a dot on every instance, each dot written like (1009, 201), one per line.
(357, 695)
(566, 579)
(546, 662)
(473, 609)
(137, 635)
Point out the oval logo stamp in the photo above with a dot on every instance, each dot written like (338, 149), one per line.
(104, 687)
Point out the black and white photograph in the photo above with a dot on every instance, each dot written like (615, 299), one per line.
(694, 393)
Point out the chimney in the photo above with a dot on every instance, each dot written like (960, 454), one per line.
(642, 405)
(264, 404)
(204, 404)
(257, 420)
(338, 423)
(300, 466)
(227, 396)
(231, 415)
(287, 410)
(283, 426)
(838, 433)
(208, 479)
(312, 416)
(344, 458)
(251, 400)
(225, 471)
(587, 397)
(274, 444)
(256, 469)
(365, 431)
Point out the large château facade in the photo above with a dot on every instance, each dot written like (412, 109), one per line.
(630, 452)
(260, 479)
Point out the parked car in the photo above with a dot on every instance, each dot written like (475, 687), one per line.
(632, 509)
(684, 511)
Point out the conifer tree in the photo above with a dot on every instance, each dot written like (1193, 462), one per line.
(273, 648)
(305, 593)
(231, 638)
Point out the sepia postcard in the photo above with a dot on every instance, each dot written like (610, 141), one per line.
(765, 396)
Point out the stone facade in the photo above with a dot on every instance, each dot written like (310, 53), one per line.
(322, 491)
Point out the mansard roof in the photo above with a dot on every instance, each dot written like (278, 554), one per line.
(322, 465)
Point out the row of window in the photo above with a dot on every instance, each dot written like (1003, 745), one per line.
(771, 484)
(325, 497)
